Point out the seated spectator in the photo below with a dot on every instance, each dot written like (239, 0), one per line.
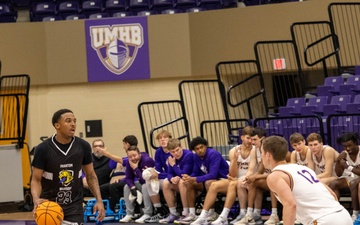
(138, 161)
(322, 158)
(114, 189)
(242, 164)
(301, 152)
(256, 184)
(180, 162)
(104, 163)
(209, 166)
(347, 167)
(158, 175)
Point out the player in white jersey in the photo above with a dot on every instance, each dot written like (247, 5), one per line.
(302, 195)
(255, 193)
(322, 158)
(347, 167)
(301, 151)
(240, 160)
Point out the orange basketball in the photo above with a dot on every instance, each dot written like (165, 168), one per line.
(49, 213)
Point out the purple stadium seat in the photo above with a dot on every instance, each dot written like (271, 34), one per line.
(68, 8)
(293, 107)
(146, 13)
(136, 6)
(113, 6)
(195, 10)
(89, 7)
(354, 106)
(171, 11)
(52, 18)
(337, 105)
(162, 5)
(7, 14)
(184, 5)
(352, 86)
(314, 106)
(41, 10)
(331, 86)
(122, 14)
(99, 15)
(357, 70)
(76, 17)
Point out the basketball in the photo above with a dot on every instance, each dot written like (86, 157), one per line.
(49, 213)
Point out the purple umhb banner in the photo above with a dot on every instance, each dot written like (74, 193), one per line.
(117, 49)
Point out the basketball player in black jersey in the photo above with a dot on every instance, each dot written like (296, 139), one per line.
(56, 170)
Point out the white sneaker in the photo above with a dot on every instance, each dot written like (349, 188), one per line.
(126, 219)
(220, 221)
(297, 222)
(212, 216)
(200, 221)
(273, 220)
(142, 218)
(246, 220)
(188, 219)
(238, 218)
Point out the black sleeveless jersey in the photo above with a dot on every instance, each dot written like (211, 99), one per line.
(61, 181)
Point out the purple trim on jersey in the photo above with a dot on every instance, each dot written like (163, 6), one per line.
(161, 162)
(212, 167)
(132, 175)
(184, 165)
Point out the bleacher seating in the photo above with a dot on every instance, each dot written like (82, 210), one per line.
(331, 87)
(89, 7)
(99, 15)
(354, 106)
(162, 5)
(351, 87)
(39, 10)
(122, 14)
(171, 11)
(314, 105)
(146, 13)
(75, 17)
(68, 8)
(337, 105)
(293, 107)
(113, 6)
(136, 6)
(7, 13)
(52, 18)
